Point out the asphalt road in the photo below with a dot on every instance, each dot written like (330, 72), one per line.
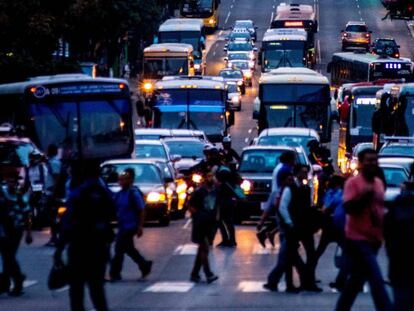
(243, 270)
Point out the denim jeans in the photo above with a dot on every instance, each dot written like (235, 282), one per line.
(364, 267)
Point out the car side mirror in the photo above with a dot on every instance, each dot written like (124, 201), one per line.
(175, 158)
(225, 49)
(255, 49)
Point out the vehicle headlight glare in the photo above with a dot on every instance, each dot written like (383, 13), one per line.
(155, 197)
(246, 186)
(147, 86)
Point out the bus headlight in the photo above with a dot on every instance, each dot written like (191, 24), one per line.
(148, 86)
(155, 197)
(246, 186)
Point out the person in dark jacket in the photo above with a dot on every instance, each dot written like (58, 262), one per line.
(86, 229)
(130, 214)
(203, 208)
(399, 237)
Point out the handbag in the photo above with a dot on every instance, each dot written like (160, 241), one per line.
(58, 276)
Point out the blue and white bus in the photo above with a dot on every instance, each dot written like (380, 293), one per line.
(193, 102)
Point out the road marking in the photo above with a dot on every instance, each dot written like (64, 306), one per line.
(251, 287)
(169, 287)
(187, 223)
(319, 51)
(410, 26)
(250, 131)
(271, 16)
(259, 250)
(186, 249)
(231, 6)
(63, 289)
(29, 283)
(227, 18)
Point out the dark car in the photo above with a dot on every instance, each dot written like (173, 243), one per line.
(234, 75)
(387, 47)
(397, 149)
(256, 169)
(150, 180)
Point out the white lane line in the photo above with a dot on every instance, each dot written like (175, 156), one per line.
(186, 249)
(169, 287)
(231, 6)
(410, 26)
(319, 51)
(63, 289)
(29, 283)
(246, 140)
(271, 16)
(259, 250)
(227, 18)
(250, 131)
(187, 223)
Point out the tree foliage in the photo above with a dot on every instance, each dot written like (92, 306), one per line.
(95, 29)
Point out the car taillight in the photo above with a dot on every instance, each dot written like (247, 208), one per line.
(397, 55)
(367, 35)
(345, 34)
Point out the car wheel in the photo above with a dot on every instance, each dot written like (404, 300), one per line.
(164, 221)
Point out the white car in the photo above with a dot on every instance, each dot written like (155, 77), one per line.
(234, 96)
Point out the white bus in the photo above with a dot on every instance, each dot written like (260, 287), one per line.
(294, 97)
(185, 30)
(285, 48)
(166, 59)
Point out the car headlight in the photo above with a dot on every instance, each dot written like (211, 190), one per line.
(155, 197)
(211, 21)
(182, 188)
(197, 66)
(197, 178)
(246, 186)
(353, 166)
(235, 99)
(248, 75)
(148, 86)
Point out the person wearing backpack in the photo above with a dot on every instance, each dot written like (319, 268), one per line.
(86, 230)
(130, 214)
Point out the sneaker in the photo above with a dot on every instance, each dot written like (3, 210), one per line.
(212, 278)
(146, 270)
(261, 236)
(270, 287)
(195, 279)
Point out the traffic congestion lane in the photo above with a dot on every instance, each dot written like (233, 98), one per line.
(242, 272)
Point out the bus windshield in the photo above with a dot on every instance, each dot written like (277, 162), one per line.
(158, 68)
(283, 54)
(295, 93)
(189, 37)
(197, 8)
(211, 123)
(102, 125)
(363, 108)
(198, 97)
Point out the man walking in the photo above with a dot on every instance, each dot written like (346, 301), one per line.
(130, 213)
(399, 235)
(86, 229)
(203, 208)
(364, 205)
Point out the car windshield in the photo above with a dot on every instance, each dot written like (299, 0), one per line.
(144, 173)
(232, 88)
(96, 125)
(286, 140)
(394, 176)
(158, 68)
(240, 35)
(241, 56)
(165, 170)
(197, 97)
(143, 151)
(186, 149)
(356, 28)
(240, 65)
(243, 24)
(385, 43)
(240, 46)
(147, 136)
(259, 161)
(398, 150)
(283, 54)
(363, 107)
(15, 154)
(231, 74)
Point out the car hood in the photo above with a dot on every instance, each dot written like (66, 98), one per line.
(145, 188)
(391, 193)
(186, 163)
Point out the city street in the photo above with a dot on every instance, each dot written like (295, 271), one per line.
(243, 270)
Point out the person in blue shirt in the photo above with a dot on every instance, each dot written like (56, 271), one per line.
(130, 214)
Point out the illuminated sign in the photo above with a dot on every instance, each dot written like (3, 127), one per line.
(294, 24)
(279, 107)
(392, 66)
(365, 100)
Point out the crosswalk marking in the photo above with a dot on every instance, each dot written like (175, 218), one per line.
(170, 287)
(251, 287)
(186, 249)
(29, 283)
(259, 250)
